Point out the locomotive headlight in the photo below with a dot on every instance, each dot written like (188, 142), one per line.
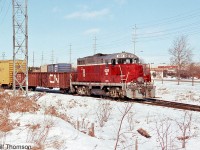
(140, 79)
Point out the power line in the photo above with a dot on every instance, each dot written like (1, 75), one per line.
(2, 6)
(8, 8)
(171, 20)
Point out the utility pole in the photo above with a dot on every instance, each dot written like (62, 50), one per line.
(134, 36)
(70, 53)
(42, 59)
(20, 43)
(33, 59)
(3, 55)
(95, 45)
(52, 57)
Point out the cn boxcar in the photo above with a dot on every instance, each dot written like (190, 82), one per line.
(49, 80)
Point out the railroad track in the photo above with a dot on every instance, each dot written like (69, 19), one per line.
(164, 103)
(169, 104)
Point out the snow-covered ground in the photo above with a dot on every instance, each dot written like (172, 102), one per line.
(185, 92)
(55, 125)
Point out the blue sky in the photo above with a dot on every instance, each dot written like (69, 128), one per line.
(55, 24)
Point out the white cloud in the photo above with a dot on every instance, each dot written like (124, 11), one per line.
(92, 31)
(88, 14)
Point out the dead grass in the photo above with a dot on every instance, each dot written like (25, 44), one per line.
(18, 103)
(103, 112)
(11, 104)
(37, 132)
(6, 124)
(51, 110)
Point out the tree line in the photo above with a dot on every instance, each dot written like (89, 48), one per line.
(181, 56)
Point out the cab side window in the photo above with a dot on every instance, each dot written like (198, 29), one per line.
(113, 62)
(106, 62)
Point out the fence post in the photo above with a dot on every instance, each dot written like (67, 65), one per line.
(136, 144)
(91, 130)
(77, 126)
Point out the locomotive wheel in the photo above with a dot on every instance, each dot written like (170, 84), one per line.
(116, 92)
(82, 90)
(63, 91)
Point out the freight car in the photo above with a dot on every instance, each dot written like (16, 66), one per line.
(6, 72)
(50, 80)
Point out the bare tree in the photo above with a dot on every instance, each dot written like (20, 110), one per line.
(197, 70)
(165, 134)
(192, 71)
(181, 54)
(103, 112)
(127, 108)
(184, 127)
(130, 119)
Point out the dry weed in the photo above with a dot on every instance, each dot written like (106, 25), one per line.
(39, 135)
(72, 104)
(103, 112)
(11, 104)
(130, 120)
(18, 103)
(6, 124)
(51, 110)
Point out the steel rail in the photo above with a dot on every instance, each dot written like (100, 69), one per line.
(155, 102)
(170, 104)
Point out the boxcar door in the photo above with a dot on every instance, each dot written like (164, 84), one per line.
(44, 79)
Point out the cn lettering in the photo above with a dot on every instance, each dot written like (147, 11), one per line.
(53, 78)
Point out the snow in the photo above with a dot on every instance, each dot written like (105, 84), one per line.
(185, 92)
(64, 132)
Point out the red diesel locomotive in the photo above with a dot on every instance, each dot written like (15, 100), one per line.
(116, 75)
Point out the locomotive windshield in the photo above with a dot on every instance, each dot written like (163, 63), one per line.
(127, 60)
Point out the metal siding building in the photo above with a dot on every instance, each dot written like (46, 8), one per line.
(60, 67)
